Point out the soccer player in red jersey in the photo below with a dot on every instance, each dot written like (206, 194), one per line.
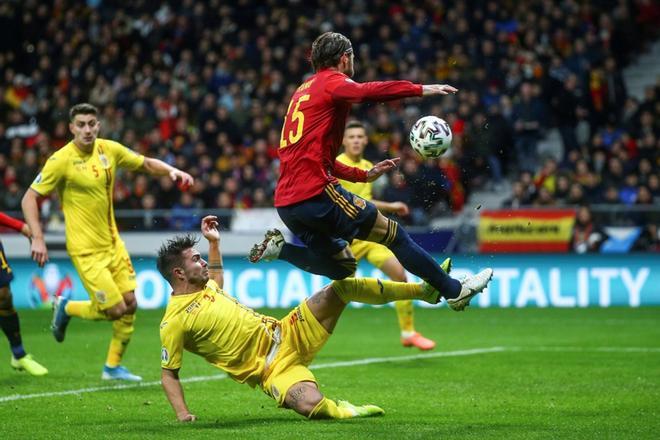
(9, 322)
(308, 196)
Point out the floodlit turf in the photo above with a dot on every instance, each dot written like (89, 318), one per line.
(533, 373)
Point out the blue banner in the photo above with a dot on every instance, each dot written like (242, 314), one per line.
(519, 281)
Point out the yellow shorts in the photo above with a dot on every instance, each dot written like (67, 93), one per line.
(375, 253)
(301, 337)
(106, 275)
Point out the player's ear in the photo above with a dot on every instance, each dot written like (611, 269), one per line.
(179, 274)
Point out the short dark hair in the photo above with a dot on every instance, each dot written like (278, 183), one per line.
(82, 109)
(355, 124)
(169, 254)
(328, 48)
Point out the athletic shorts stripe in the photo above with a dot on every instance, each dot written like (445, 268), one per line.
(340, 201)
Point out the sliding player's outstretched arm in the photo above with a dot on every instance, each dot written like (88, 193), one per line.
(174, 392)
(211, 233)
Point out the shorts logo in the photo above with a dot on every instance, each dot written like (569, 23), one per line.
(275, 392)
(359, 202)
(164, 355)
(100, 296)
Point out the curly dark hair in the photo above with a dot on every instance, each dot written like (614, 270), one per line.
(169, 254)
(328, 48)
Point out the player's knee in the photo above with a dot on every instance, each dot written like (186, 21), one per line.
(117, 311)
(303, 398)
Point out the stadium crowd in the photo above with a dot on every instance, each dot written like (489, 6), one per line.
(204, 86)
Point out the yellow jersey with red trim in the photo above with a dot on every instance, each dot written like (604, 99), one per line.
(84, 183)
(360, 189)
(215, 326)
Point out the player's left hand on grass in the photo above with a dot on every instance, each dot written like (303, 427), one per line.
(381, 168)
(210, 228)
(182, 179)
(186, 417)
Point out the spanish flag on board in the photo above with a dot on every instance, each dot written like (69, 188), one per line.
(525, 230)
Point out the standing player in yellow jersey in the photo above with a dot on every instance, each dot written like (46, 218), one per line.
(355, 141)
(83, 174)
(252, 348)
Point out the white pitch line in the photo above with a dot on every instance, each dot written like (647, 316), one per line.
(223, 376)
(352, 363)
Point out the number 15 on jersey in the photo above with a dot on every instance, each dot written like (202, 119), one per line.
(292, 131)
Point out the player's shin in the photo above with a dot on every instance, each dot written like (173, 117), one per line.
(376, 291)
(122, 330)
(417, 261)
(11, 328)
(404, 312)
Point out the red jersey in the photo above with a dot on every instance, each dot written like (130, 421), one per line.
(314, 128)
(11, 222)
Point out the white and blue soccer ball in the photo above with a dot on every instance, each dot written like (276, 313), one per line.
(430, 136)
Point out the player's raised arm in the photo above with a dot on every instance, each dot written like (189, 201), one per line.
(347, 90)
(211, 233)
(157, 167)
(174, 392)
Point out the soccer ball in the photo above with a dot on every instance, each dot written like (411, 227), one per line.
(430, 136)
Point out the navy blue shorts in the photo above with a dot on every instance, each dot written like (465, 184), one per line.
(6, 274)
(326, 223)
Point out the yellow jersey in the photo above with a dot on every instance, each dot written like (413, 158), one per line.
(215, 326)
(360, 189)
(85, 182)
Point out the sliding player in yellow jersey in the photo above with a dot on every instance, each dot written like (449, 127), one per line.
(83, 174)
(355, 141)
(256, 349)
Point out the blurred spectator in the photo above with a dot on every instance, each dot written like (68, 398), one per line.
(528, 115)
(587, 235)
(205, 85)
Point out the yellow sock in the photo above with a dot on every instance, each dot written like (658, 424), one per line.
(84, 310)
(122, 329)
(404, 311)
(328, 409)
(376, 291)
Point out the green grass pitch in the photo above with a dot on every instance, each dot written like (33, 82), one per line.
(496, 373)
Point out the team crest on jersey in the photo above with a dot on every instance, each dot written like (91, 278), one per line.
(100, 297)
(164, 355)
(359, 202)
(104, 160)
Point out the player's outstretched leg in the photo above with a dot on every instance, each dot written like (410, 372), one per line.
(306, 399)
(275, 247)
(10, 325)
(470, 286)
(415, 259)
